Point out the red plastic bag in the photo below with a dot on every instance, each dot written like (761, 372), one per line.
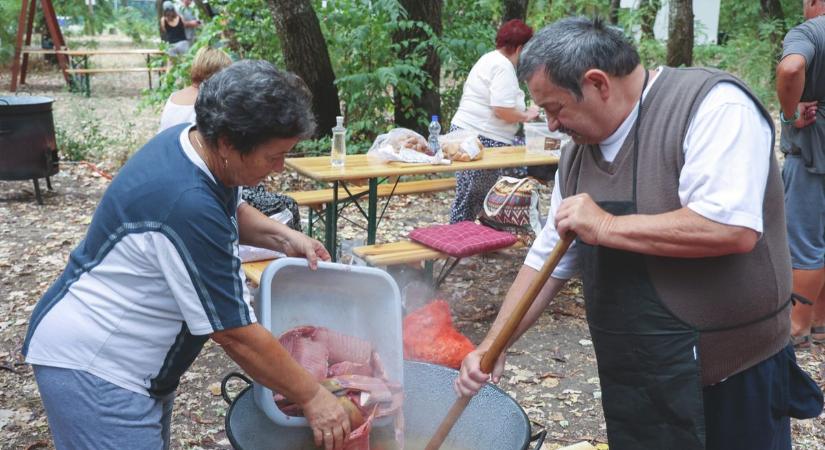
(429, 336)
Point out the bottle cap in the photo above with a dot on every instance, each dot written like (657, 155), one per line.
(339, 120)
(434, 118)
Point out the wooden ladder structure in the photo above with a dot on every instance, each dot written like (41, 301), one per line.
(26, 23)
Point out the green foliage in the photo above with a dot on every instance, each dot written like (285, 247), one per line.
(257, 40)
(751, 45)
(133, 23)
(542, 12)
(81, 144)
(9, 11)
(245, 27)
(469, 32)
(369, 73)
(86, 138)
(95, 23)
(321, 146)
(359, 36)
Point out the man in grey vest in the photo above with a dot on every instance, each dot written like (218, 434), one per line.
(800, 86)
(687, 284)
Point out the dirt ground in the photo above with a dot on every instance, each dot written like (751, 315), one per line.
(551, 371)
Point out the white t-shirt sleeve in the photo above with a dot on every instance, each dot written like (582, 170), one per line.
(504, 88)
(715, 183)
(547, 239)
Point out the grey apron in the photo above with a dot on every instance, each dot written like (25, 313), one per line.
(647, 358)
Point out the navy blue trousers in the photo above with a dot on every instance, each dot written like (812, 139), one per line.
(752, 409)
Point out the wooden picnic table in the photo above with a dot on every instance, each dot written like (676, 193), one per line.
(81, 69)
(94, 52)
(359, 167)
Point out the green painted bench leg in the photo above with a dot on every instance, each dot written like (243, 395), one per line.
(311, 228)
(429, 266)
(372, 211)
(331, 225)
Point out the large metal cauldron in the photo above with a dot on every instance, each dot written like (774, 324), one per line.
(492, 420)
(27, 144)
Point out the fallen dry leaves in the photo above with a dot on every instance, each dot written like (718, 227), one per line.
(551, 371)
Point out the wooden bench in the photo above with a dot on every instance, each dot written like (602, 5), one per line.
(84, 74)
(391, 254)
(322, 198)
(408, 252)
(254, 270)
(115, 70)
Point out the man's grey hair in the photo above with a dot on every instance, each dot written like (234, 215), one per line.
(568, 48)
(251, 102)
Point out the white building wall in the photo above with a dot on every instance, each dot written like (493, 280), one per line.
(705, 20)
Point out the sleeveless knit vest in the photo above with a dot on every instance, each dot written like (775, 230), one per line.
(711, 294)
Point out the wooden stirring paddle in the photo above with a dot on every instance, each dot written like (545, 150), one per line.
(489, 359)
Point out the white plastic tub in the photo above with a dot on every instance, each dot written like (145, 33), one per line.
(354, 300)
(540, 139)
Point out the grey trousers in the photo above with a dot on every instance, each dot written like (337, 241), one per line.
(88, 412)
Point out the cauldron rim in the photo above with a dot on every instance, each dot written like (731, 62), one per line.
(537, 439)
(11, 101)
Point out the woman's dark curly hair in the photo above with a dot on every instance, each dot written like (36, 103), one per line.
(251, 102)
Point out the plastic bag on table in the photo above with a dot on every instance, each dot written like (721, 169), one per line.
(461, 145)
(403, 145)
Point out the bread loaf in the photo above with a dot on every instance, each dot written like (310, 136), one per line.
(463, 150)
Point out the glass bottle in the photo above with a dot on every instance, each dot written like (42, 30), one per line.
(339, 143)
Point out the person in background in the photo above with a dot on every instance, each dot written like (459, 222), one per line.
(158, 274)
(800, 86)
(687, 284)
(190, 15)
(173, 28)
(492, 105)
(180, 107)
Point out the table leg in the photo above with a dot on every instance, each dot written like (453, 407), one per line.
(37, 194)
(86, 76)
(331, 227)
(310, 228)
(149, 70)
(372, 211)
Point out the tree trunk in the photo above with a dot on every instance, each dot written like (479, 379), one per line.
(305, 54)
(680, 33)
(614, 11)
(514, 9)
(407, 109)
(159, 11)
(90, 21)
(772, 11)
(648, 10)
(205, 9)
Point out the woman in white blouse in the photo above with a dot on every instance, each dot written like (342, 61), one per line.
(180, 107)
(492, 104)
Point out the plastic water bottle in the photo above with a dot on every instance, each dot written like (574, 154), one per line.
(339, 143)
(432, 140)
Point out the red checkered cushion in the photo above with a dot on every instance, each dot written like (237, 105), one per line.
(462, 239)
